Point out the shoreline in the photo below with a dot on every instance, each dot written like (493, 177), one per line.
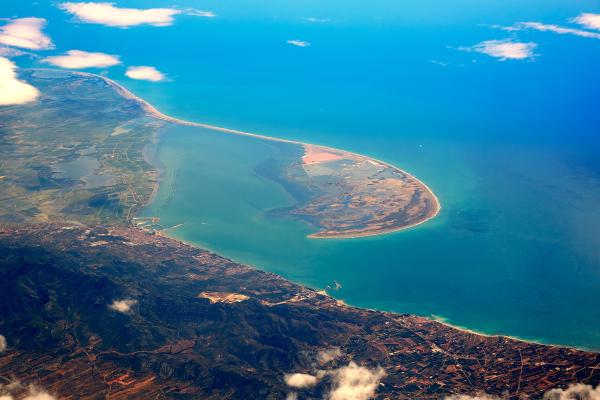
(444, 321)
(152, 111)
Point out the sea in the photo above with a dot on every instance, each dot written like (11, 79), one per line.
(510, 147)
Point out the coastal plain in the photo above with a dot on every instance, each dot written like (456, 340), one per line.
(76, 154)
(203, 326)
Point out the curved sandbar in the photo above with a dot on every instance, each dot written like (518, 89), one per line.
(351, 195)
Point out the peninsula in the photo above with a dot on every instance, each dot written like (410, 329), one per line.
(90, 165)
(352, 195)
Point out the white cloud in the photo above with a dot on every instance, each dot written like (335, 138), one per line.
(7, 392)
(2, 344)
(328, 355)
(590, 21)
(300, 381)
(578, 391)
(12, 52)
(25, 33)
(110, 15)
(299, 43)
(351, 382)
(145, 73)
(13, 91)
(355, 382)
(440, 63)
(122, 306)
(538, 26)
(504, 49)
(199, 13)
(77, 59)
(36, 393)
(317, 20)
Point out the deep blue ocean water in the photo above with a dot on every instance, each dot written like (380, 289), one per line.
(511, 148)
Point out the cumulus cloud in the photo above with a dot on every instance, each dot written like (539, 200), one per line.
(2, 344)
(590, 21)
(33, 392)
(299, 43)
(300, 381)
(25, 33)
(577, 391)
(110, 15)
(36, 393)
(328, 355)
(504, 49)
(122, 306)
(13, 91)
(538, 26)
(77, 59)
(145, 73)
(354, 382)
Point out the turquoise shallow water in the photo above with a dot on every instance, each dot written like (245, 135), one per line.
(495, 260)
(511, 148)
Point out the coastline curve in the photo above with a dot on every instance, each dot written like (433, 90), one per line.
(433, 209)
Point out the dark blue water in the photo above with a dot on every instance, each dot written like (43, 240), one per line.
(511, 148)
